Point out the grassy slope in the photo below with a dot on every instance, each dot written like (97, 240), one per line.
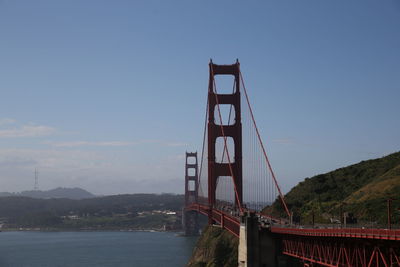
(361, 188)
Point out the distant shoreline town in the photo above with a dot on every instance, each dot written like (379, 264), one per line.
(130, 212)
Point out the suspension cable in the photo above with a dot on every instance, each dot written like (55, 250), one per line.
(204, 141)
(262, 146)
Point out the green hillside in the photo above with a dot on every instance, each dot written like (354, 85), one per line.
(362, 189)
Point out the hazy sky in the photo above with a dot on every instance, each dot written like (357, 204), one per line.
(108, 95)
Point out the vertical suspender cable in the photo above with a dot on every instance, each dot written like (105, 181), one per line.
(263, 149)
(202, 150)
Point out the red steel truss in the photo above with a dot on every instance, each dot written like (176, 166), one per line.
(381, 234)
(333, 251)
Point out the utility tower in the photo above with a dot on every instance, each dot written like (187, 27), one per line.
(36, 186)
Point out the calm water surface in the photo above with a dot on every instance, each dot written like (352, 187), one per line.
(53, 249)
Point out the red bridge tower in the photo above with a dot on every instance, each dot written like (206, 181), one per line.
(190, 218)
(233, 168)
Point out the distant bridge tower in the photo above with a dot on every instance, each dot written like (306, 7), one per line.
(216, 130)
(190, 218)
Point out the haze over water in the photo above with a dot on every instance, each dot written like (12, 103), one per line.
(100, 249)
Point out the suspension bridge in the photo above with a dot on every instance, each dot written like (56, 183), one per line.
(232, 181)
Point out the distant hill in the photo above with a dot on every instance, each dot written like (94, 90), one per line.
(362, 189)
(137, 211)
(60, 192)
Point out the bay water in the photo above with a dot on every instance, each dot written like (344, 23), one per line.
(103, 249)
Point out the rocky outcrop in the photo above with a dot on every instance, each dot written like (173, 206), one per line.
(215, 248)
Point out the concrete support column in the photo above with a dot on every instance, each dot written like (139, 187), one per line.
(258, 247)
(249, 243)
(190, 222)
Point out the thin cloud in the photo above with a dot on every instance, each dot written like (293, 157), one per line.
(176, 144)
(113, 143)
(16, 162)
(5, 121)
(98, 171)
(27, 131)
(49, 158)
(87, 143)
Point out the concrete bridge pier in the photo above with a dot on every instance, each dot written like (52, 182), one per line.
(258, 247)
(191, 223)
(249, 242)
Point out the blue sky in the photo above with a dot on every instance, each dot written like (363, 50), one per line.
(108, 95)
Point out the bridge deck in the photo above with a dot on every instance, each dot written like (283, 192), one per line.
(232, 224)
